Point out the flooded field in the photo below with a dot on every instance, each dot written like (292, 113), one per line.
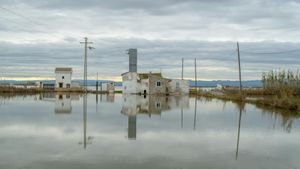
(115, 131)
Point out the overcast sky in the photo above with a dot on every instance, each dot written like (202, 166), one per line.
(38, 35)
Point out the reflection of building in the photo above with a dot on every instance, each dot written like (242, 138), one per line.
(106, 98)
(107, 87)
(150, 83)
(63, 104)
(179, 102)
(63, 77)
(134, 105)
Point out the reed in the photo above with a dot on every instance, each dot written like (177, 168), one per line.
(281, 83)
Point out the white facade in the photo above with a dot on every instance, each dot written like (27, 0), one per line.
(178, 86)
(130, 83)
(63, 77)
(108, 87)
(133, 84)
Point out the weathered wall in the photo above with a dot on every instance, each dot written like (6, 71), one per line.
(153, 88)
(108, 87)
(67, 79)
(130, 84)
(178, 86)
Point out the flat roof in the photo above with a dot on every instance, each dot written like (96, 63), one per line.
(146, 75)
(63, 69)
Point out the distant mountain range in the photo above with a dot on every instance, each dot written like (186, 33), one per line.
(200, 83)
(214, 83)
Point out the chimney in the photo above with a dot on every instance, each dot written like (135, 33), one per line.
(132, 60)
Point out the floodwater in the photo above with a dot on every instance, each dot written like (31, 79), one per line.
(132, 132)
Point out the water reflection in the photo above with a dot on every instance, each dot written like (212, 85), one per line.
(86, 139)
(105, 97)
(63, 101)
(226, 135)
(134, 105)
(195, 113)
(152, 105)
(241, 108)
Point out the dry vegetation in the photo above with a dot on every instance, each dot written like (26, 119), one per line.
(33, 90)
(13, 89)
(281, 90)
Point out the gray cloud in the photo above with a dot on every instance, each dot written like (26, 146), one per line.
(37, 36)
(216, 60)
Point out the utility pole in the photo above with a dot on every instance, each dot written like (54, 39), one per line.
(195, 113)
(196, 76)
(182, 68)
(182, 60)
(86, 47)
(239, 61)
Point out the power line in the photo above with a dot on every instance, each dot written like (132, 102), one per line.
(21, 16)
(267, 53)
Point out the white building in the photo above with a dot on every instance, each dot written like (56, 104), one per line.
(107, 87)
(150, 83)
(178, 86)
(153, 83)
(63, 77)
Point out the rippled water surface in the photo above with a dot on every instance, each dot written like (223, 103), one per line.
(70, 131)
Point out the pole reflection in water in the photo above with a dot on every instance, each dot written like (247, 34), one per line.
(84, 119)
(240, 106)
(97, 102)
(181, 117)
(195, 113)
(86, 140)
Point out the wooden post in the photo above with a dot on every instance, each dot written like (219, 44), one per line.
(182, 68)
(196, 76)
(239, 62)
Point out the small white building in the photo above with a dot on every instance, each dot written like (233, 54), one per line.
(150, 83)
(178, 86)
(153, 83)
(63, 77)
(108, 87)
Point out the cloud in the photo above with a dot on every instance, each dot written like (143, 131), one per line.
(37, 36)
(215, 60)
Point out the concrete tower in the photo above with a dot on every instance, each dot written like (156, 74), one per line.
(132, 60)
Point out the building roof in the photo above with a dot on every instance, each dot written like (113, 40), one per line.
(146, 75)
(63, 69)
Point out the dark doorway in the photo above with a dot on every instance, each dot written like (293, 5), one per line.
(60, 85)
